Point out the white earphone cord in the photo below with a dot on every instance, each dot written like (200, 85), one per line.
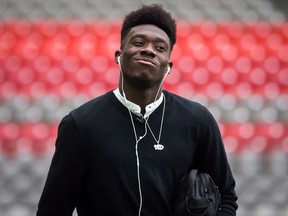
(135, 133)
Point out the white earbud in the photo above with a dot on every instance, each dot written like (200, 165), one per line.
(119, 59)
(168, 70)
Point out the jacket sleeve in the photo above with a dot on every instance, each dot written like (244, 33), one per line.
(64, 180)
(212, 159)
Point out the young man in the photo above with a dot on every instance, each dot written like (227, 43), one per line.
(125, 152)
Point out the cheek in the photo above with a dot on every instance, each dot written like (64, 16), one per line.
(127, 57)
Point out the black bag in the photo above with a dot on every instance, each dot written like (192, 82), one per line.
(196, 195)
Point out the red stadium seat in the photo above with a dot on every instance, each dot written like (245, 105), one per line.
(70, 58)
(9, 134)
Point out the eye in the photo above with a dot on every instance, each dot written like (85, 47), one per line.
(138, 43)
(160, 48)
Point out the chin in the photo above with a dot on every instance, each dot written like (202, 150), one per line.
(142, 82)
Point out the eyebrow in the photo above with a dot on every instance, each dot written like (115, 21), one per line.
(145, 36)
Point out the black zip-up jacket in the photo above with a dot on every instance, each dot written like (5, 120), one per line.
(94, 166)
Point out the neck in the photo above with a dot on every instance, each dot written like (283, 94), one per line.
(142, 97)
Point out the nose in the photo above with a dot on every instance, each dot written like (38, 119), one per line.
(148, 50)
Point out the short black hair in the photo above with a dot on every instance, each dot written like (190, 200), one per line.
(150, 14)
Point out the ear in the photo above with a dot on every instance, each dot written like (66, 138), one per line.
(170, 65)
(116, 55)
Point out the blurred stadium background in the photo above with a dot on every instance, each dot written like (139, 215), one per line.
(232, 56)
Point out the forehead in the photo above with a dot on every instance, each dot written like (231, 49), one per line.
(149, 30)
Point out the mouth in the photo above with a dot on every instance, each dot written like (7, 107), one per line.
(145, 61)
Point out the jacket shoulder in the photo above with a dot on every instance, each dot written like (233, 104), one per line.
(92, 108)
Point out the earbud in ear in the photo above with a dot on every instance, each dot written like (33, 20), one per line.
(119, 59)
(168, 70)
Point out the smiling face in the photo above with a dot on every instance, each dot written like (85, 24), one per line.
(145, 56)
